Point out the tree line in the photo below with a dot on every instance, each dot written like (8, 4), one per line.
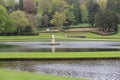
(19, 17)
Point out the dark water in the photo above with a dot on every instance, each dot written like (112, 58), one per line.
(63, 47)
(92, 69)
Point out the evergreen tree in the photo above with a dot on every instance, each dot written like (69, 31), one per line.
(77, 11)
(114, 5)
(93, 8)
(21, 4)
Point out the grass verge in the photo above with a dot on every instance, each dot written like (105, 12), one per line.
(61, 37)
(15, 75)
(59, 55)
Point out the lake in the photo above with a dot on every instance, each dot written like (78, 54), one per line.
(89, 46)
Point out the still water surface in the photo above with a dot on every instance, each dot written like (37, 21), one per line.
(63, 47)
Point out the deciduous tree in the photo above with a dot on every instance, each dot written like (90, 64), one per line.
(58, 20)
(29, 6)
(20, 20)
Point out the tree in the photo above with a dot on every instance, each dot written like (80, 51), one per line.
(29, 6)
(2, 2)
(102, 4)
(93, 8)
(45, 20)
(84, 12)
(21, 4)
(6, 23)
(70, 16)
(39, 19)
(3, 18)
(33, 23)
(20, 20)
(59, 5)
(58, 20)
(10, 27)
(44, 6)
(107, 21)
(114, 5)
(11, 5)
(77, 11)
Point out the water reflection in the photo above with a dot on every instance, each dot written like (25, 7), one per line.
(63, 47)
(95, 70)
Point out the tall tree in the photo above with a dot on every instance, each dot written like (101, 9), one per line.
(39, 19)
(45, 20)
(70, 16)
(2, 2)
(6, 23)
(114, 5)
(11, 4)
(33, 23)
(84, 12)
(102, 4)
(3, 18)
(77, 11)
(29, 6)
(93, 8)
(21, 4)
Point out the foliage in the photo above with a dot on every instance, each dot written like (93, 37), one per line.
(29, 6)
(20, 19)
(84, 13)
(77, 11)
(33, 23)
(58, 20)
(21, 4)
(39, 19)
(3, 18)
(7, 25)
(92, 10)
(102, 4)
(114, 5)
(2, 2)
(107, 21)
(70, 15)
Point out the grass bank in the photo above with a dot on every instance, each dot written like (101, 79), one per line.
(59, 55)
(61, 37)
(15, 75)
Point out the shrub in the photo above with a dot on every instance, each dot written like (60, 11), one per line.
(107, 21)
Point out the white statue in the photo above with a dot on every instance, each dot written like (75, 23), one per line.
(53, 39)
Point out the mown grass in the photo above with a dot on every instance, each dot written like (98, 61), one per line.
(15, 75)
(65, 55)
(61, 37)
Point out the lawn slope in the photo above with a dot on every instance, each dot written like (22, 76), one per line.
(14, 75)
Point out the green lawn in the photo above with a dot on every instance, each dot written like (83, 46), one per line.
(61, 37)
(60, 55)
(15, 75)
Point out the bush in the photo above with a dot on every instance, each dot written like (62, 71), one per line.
(107, 21)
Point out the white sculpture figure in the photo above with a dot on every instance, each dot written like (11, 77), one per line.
(53, 39)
